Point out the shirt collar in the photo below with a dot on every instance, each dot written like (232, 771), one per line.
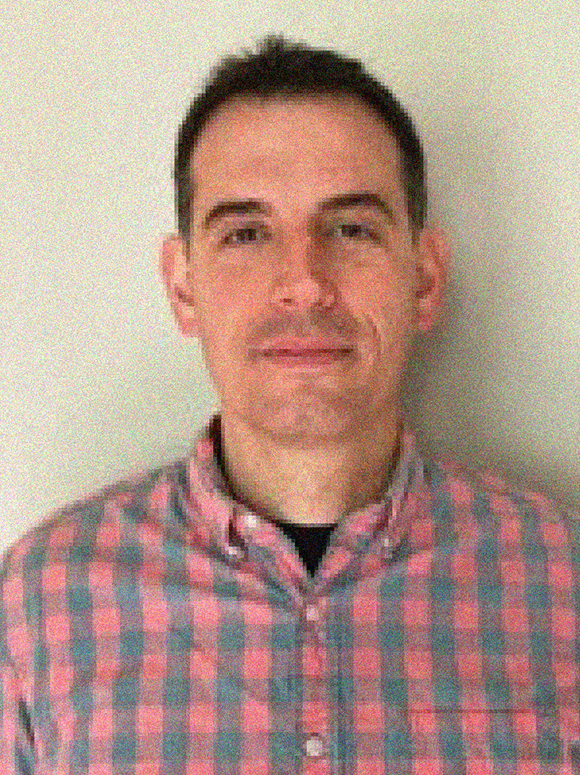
(210, 498)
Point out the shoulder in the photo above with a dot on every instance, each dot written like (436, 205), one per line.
(489, 499)
(104, 518)
(76, 557)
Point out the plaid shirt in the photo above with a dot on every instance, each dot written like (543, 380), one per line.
(161, 628)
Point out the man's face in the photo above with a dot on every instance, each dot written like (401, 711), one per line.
(302, 278)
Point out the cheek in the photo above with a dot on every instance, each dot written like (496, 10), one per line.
(388, 320)
(380, 297)
(226, 312)
(235, 284)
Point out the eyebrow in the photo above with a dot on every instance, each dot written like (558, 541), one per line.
(235, 207)
(358, 199)
(338, 202)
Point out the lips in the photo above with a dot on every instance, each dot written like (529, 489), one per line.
(297, 345)
(304, 352)
(314, 351)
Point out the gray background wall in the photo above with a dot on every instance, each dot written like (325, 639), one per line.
(96, 383)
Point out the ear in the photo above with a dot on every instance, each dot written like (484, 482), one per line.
(432, 262)
(174, 268)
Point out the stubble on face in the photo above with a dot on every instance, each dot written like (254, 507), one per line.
(306, 408)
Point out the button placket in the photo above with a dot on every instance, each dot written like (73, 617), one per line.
(314, 628)
(316, 711)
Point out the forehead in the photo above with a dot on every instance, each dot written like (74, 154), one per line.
(330, 142)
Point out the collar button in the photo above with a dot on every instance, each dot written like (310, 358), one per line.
(235, 553)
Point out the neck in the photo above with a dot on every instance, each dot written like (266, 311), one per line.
(317, 484)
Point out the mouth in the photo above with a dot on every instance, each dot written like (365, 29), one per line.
(306, 353)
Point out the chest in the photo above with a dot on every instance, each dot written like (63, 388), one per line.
(431, 663)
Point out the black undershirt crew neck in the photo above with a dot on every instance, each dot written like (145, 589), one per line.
(310, 541)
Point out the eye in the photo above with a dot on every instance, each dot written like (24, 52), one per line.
(244, 235)
(354, 231)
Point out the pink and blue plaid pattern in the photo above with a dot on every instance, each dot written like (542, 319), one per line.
(160, 629)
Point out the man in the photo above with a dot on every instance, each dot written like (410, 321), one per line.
(306, 593)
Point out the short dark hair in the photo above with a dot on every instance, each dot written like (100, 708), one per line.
(284, 69)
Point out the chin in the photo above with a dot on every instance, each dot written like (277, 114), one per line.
(305, 423)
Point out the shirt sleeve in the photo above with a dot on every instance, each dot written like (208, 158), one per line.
(17, 736)
(17, 755)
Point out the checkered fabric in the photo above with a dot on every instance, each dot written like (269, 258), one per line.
(159, 629)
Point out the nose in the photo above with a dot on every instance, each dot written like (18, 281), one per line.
(302, 278)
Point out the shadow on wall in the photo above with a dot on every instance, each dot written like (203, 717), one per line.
(456, 398)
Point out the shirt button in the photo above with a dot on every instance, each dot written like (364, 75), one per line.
(311, 614)
(251, 521)
(314, 746)
(235, 553)
(387, 546)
